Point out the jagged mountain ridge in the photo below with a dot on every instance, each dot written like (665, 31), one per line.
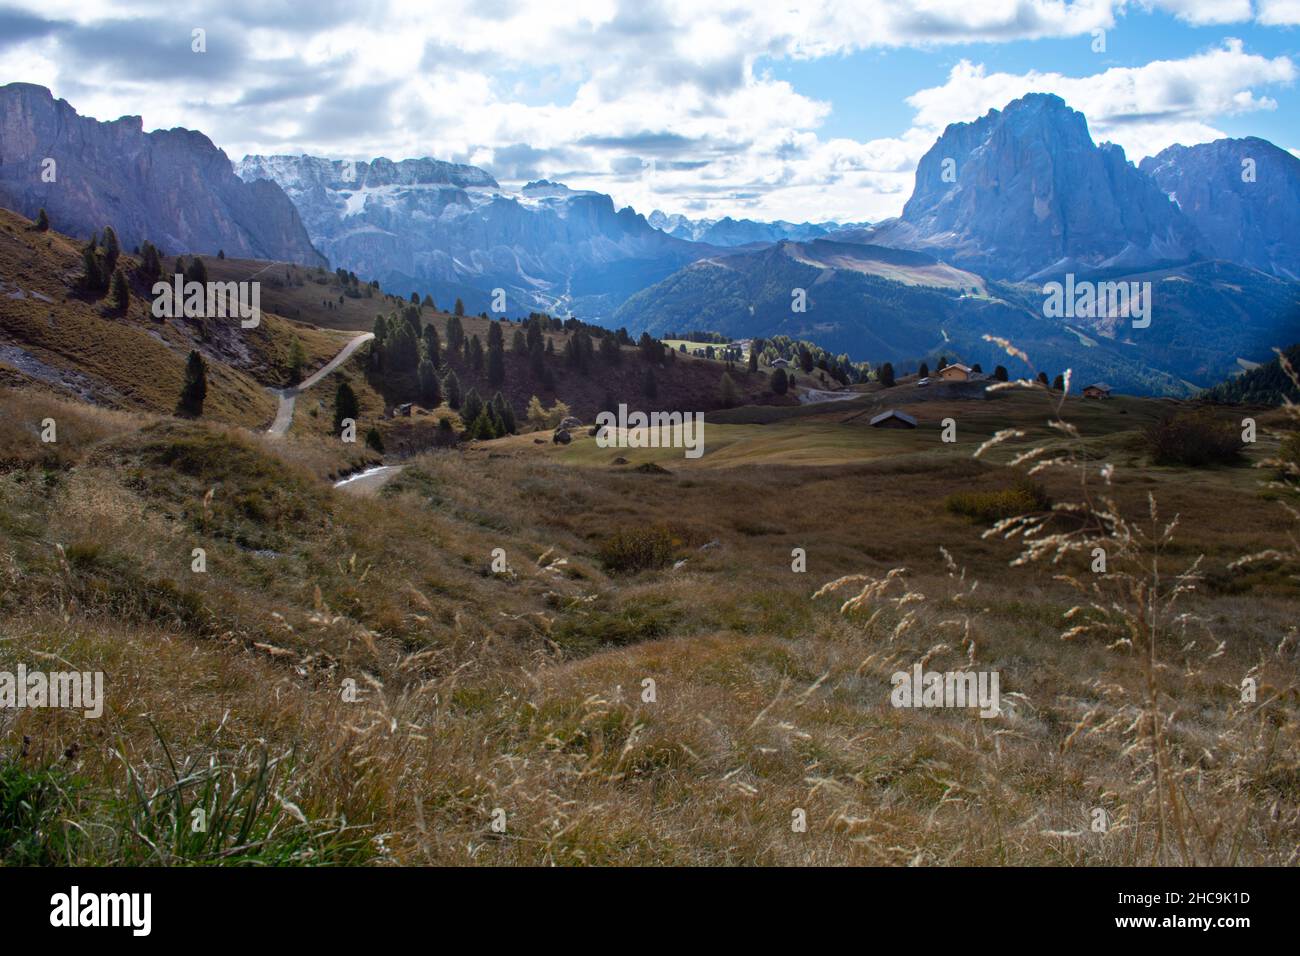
(1024, 191)
(740, 232)
(1242, 194)
(453, 231)
(172, 187)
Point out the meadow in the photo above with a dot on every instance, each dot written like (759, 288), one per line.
(653, 675)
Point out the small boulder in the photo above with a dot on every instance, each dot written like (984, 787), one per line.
(561, 437)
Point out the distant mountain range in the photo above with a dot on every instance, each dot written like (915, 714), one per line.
(882, 304)
(453, 232)
(742, 232)
(172, 187)
(1002, 204)
(1020, 196)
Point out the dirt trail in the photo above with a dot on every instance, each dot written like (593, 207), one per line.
(816, 396)
(369, 481)
(288, 396)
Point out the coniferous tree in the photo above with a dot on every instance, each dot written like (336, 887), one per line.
(412, 316)
(196, 272)
(496, 357)
(150, 263)
(537, 359)
(446, 436)
(92, 268)
(1042, 379)
(401, 348)
(345, 405)
(1059, 383)
(470, 407)
(1000, 373)
(648, 347)
(451, 390)
(805, 359)
(479, 428)
(460, 307)
(430, 390)
(887, 375)
(506, 412)
(112, 250)
(780, 382)
(609, 350)
(42, 220)
(195, 389)
(518, 344)
(455, 334)
(432, 347)
(649, 387)
(119, 293)
(475, 353)
(753, 359)
(923, 371)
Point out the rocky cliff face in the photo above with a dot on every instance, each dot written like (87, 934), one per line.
(1025, 190)
(1242, 194)
(172, 187)
(421, 225)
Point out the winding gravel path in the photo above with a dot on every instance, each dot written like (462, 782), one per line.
(288, 396)
(818, 396)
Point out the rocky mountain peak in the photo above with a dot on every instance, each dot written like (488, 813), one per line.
(173, 187)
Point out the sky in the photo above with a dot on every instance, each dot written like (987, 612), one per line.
(761, 109)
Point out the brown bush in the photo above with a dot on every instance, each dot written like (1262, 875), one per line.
(630, 550)
(1193, 438)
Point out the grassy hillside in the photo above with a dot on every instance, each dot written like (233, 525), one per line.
(53, 332)
(523, 689)
(881, 305)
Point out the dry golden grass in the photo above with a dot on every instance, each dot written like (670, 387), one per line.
(522, 689)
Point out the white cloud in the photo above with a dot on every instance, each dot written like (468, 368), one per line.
(1201, 12)
(594, 90)
(1143, 109)
(1279, 12)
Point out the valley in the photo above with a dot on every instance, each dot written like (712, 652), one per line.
(368, 584)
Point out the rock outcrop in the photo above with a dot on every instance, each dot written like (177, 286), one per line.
(172, 187)
(1024, 191)
(1242, 194)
